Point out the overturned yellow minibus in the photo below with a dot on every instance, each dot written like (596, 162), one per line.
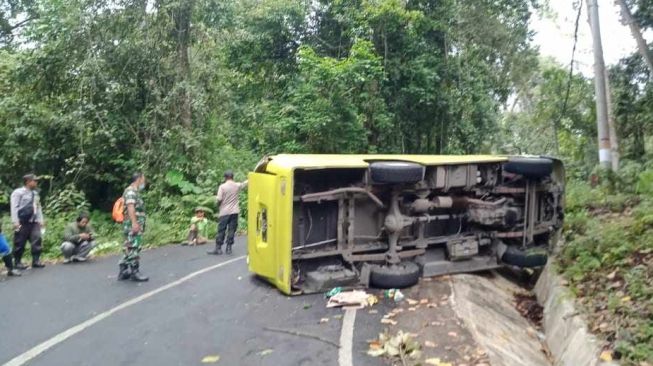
(320, 221)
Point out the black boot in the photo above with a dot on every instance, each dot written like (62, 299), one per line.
(10, 266)
(18, 264)
(216, 251)
(36, 263)
(228, 249)
(124, 272)
(136, 275)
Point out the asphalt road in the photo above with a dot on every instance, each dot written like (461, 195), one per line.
(224, 311)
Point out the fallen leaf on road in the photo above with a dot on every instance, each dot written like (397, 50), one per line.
(432, 305)
(412, 302)
(375, 345)
(266, 352)
(430, 344)
(372, 300)
(432, 361)
(211, 359)
(606, 356)
(373, 311)
(401, 345)
(388, 321)
(424, 301)
(412, 309)
(612, 275)
(452, 334)
(324, 320)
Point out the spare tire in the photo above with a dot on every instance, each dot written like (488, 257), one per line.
(400, 275)
(533, 168)
(523, 259)
(396, 172)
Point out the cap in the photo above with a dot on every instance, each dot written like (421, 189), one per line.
(30, 176)
(229, 174)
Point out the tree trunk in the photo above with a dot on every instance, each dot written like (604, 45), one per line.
(182, 18)
(627, 19)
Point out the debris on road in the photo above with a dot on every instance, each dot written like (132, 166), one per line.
(402, 346)
(394, 294)
(211, 359)
(324, 320)
(265, 352)
(436, 362)
(334, 291)
(354, 298)
(372, 300)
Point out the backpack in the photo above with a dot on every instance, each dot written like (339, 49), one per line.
(26, 213)
(118, 210)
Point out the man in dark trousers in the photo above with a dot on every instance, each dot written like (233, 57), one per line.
(229, 209)
(27, 218)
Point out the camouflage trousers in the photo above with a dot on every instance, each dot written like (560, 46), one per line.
(131, 249)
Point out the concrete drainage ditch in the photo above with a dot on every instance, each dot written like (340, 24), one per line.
(566, 332)
(487, 306)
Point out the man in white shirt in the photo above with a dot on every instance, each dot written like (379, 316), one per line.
(27, 218)
(227, 198)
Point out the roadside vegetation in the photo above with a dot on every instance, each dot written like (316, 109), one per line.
(607, 258)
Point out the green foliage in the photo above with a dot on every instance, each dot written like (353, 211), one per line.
(66, 200)
(645, 183)
(607, 256)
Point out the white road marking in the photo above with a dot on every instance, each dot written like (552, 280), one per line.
(347, 338)
(37, 350)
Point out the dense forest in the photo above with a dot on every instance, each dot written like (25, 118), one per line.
(92, 90)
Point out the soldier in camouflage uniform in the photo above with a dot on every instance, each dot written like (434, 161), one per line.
(133, 227)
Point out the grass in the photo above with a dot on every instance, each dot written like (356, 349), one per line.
(607, 258)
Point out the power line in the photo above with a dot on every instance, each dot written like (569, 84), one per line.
(563, 110)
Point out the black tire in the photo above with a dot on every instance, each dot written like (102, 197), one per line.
(396, 172)
(533, 168)
(520, 258)
(401, 275)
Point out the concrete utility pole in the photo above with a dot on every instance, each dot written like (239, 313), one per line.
(614, 140)
(605, 153)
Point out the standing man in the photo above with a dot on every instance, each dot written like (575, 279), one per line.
(78, 240)
(229, 209)
(27, 217)
(133, 227)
